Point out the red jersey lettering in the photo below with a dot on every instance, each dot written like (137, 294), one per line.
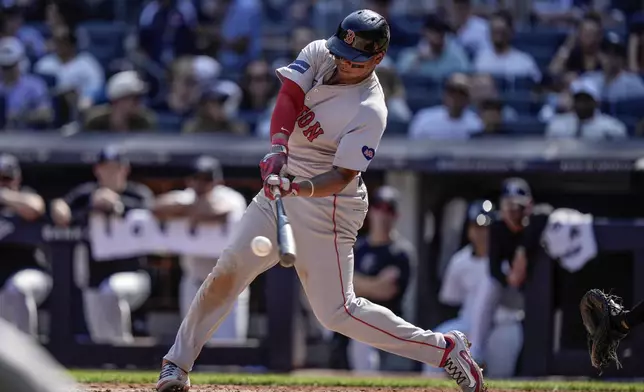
(305, 118)
(313, 132)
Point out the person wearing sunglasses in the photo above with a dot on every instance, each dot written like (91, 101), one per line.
(215, 112)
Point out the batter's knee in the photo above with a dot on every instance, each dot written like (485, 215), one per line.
(224, 279)
(338, 318)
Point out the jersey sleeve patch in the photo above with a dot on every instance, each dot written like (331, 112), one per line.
(368, 152)
(300, 66)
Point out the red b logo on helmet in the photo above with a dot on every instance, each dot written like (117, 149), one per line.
(350, 37)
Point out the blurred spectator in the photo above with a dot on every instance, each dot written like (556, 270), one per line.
(460, 286)
(503, 59)
(453, 119)
(64, 13)
(403, 35)
(581, 50)
(383, 269)
(299, 38)
(206, 201)
(240, 23)
(636, 43)
(395, 95)
(72, 69)
(436, 55)
(559, 99)
(515, 238)
(491, 113)
(115, 287)
(125, 111)
(27, 100)
(206, 69)
(184, 90)
(212, 115)
(585, 121)
(167, 30)
(24, 284)
(259, 86)
(483, 88)
(472, 32)
(11, 25)
(614, 81)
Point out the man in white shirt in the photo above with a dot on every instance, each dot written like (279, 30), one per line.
(74, 70)
(207, 201)
(453, 119)
(614, 81)
(436, 55)
(461, 285)
(503, 59)
(585, 120)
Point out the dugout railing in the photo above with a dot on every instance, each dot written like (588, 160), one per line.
(274, 353)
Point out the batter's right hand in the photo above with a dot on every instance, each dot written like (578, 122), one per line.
(274, 162)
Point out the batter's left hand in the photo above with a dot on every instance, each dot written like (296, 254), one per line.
(283, 184)
(274, 162)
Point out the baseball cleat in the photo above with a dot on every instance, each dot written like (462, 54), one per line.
(459, 364)
(172, 378)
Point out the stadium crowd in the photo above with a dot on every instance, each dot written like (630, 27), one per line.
(456, 69)
(470, 68)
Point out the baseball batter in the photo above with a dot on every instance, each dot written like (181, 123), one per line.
(328, 120)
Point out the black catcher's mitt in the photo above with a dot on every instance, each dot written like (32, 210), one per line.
(601, 313)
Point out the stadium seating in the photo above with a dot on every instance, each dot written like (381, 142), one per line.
(105, 40)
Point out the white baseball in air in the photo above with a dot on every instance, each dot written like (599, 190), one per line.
(261, 246)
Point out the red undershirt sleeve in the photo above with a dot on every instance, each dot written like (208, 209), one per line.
(289, 104)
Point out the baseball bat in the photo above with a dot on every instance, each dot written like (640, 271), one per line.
(285, 239)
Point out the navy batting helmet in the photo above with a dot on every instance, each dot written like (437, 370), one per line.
(361, 35)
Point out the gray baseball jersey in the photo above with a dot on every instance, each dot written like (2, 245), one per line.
(341, 125)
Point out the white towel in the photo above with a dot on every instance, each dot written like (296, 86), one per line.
(139, 233)
(569, 237)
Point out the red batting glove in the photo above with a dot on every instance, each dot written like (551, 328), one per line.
(274, 161)
(283, 185)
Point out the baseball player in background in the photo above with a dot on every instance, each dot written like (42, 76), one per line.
(206, 200)
(466, 272)
(515, 238)
(24, 281)
(329, 117)
(112, 289)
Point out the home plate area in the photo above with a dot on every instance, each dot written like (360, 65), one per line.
(111, 387)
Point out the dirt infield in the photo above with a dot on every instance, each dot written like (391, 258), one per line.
(243, 388)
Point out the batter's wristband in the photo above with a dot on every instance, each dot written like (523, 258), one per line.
(278, 141)
(279, 148)
(312, 187)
